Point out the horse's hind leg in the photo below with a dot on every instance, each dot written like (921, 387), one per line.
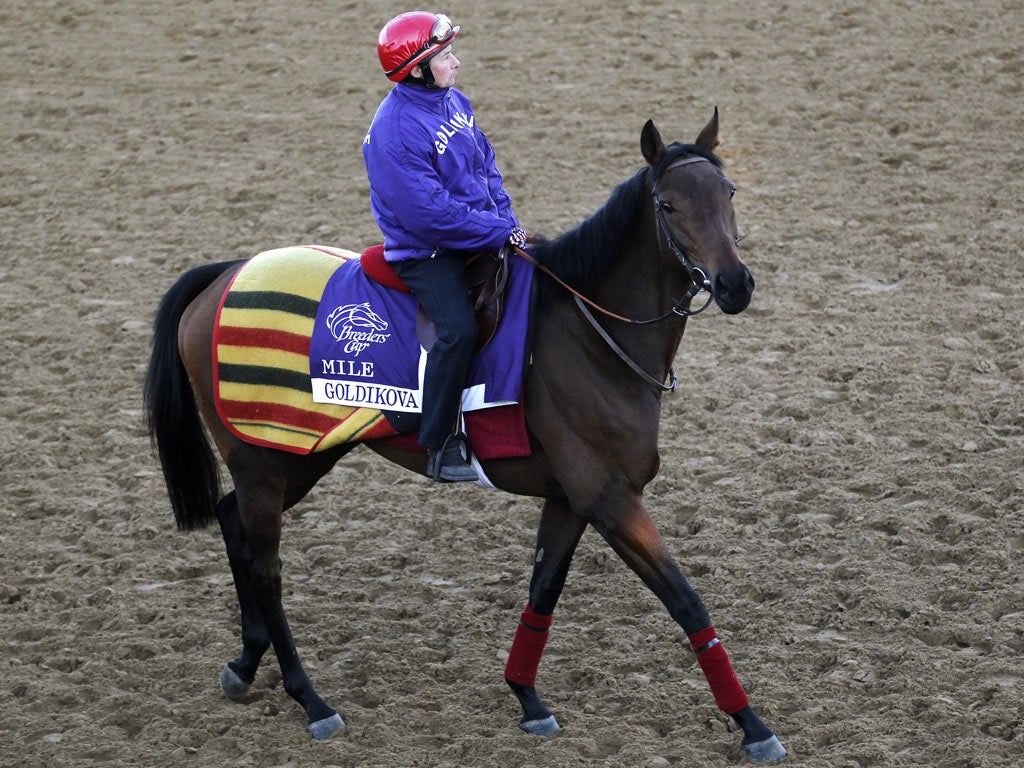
(237, 675)
(559, 533)
(261, 501)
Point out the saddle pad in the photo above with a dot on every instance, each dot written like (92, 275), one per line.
(261, 346)
(364, 351)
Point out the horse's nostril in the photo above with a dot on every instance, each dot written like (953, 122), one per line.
(742, 284)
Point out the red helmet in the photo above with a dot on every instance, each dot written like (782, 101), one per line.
(410, 39)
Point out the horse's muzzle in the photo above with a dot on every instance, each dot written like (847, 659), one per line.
(733, 290)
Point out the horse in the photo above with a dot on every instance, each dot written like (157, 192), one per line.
(592, 402)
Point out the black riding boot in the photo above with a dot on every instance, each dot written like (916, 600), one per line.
(448, 465)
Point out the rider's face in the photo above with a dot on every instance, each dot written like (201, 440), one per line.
(444, 65)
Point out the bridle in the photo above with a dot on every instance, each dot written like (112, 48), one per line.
(697, 275)
(681, 308)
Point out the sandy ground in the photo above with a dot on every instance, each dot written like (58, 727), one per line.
(841, 467)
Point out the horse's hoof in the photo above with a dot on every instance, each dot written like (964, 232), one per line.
(546, 726)
(233, 686)
(324, 729)
(767, 751)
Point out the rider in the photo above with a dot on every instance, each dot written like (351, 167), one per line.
(437, 197)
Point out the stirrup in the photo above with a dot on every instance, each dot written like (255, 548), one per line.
(461, 470)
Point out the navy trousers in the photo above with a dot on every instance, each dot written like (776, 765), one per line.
(440, 285)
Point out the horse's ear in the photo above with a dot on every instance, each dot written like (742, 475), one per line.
(651, 144)
(708, 138)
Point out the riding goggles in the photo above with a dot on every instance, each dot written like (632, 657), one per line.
(442, 31)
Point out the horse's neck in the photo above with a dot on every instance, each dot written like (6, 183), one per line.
(641, 286)
(642, 283)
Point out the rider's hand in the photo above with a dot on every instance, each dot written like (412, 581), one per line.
(517, 237)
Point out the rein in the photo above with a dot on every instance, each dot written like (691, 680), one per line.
(681, 308)
(673, 379)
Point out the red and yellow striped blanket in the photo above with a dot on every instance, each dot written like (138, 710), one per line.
(261, 355)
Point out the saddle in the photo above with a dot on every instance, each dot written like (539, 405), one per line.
(487, 274)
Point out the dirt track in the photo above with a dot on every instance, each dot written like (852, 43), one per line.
(841, 468)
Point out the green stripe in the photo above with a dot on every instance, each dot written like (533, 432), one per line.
(265, 376)
(277, 300)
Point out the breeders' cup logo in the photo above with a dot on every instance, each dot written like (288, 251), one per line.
(346, 321)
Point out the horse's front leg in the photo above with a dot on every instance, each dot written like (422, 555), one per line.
(628, 528)
(557, 536)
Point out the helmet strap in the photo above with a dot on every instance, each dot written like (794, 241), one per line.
(427, 78)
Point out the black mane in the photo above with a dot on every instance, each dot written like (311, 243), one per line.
(583, 255)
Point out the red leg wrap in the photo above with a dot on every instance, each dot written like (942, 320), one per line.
(527, 647)
(714, 661)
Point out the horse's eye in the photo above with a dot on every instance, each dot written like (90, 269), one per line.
(666, 207)
(732, 192)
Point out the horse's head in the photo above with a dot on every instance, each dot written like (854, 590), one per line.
(694, 214)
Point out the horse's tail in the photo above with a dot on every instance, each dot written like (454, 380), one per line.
(175, 425)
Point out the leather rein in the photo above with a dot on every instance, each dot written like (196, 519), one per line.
(681, 308)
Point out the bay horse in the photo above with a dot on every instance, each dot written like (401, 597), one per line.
(592, 400)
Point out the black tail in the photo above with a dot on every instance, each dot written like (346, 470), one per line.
(175, 425)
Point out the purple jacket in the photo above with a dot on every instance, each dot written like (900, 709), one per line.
(433, 182)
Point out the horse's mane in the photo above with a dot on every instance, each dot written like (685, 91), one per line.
(583, 255)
